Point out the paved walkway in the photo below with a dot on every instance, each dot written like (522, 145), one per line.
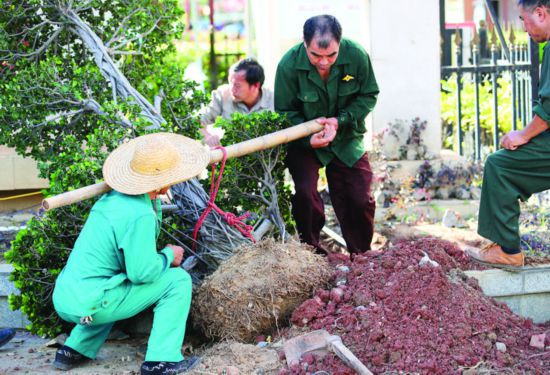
(28, 354)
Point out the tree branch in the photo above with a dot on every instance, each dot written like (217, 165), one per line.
(119, 82)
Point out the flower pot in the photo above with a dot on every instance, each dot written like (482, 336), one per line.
(412, 153)
(444, 192)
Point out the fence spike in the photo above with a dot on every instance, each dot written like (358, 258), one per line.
(457, 39)
(475, 39)
(512, 36)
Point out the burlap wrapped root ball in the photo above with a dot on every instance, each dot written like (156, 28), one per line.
(256, 290)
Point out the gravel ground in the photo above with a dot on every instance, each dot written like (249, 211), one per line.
(29, 354)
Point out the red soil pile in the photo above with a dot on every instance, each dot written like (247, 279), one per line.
(396, 315)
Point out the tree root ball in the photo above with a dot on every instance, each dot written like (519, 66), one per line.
(257, 289)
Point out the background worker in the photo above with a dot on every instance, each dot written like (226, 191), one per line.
(331, 79)
(244, 94)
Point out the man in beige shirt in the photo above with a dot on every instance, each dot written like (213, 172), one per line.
(243, 94)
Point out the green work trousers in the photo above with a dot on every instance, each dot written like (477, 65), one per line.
(509, 176)
(172, 295)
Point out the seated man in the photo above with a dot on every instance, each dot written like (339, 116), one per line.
(243, 94)
(522, 167)
(114, 270)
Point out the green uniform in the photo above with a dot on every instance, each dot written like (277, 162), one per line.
(510, 176)
(115, 272)
(349, 94)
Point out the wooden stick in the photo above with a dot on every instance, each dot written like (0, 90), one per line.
(75, 196)
(243, 148)
(267, 141)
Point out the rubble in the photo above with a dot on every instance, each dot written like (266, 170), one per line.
(396, 316)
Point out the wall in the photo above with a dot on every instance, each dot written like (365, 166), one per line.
(405, 48)
(18, 176)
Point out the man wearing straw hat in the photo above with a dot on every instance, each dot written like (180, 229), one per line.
(331, 79)
(114, 270)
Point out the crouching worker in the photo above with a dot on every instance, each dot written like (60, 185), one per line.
(114, 270)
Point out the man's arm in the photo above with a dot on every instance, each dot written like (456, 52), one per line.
(365, 99)
(214, 109)
(286, 102)
(143, 263)
(512, 140)
(208, 116)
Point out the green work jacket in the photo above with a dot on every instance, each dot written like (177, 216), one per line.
(349, 94)
(116, 247)
(542, 104)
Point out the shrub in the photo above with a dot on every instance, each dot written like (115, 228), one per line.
(57, 107)
(256, 182)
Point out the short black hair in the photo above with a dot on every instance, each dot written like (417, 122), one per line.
(532, 4)
(325, 26)
(253, 69)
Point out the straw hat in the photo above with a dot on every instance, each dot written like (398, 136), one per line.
(154, 161)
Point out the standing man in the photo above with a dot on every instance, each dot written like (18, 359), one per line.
(243, 94)
(114, 270)
(523, 166)
(330, 79)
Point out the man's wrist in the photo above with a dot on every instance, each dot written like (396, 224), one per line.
(523, 133)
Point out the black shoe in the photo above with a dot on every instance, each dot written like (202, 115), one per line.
(6, 335)
(158, 368)
(66, 358)
(141, 351)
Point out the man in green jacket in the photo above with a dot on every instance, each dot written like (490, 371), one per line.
(523, 166)
(114, 270)
(330, 79)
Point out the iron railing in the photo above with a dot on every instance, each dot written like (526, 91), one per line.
(517, 70)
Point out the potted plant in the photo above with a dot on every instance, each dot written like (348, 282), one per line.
(414, 148)
(445, 180)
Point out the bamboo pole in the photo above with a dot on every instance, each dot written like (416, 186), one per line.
(267, 141)
(239, 149)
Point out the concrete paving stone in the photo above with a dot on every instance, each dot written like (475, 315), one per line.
(537, 282)
(9, 318)
(513, 302)
(498, 283)
(6, 286)
(535, 306)
(526, 293)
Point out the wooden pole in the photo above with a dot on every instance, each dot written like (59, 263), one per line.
(243, 148)
(267, 141)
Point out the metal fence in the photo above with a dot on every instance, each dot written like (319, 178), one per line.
(513, 64)
(220, 62)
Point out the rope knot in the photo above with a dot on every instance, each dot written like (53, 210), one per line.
(231, 219)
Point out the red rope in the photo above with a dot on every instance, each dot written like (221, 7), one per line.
(232, 219)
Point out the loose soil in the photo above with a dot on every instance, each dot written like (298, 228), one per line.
(396, 315)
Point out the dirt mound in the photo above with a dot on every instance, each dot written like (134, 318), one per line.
(234, 358)
(257, 289)
(396, 315)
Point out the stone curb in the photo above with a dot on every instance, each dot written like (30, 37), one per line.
(9, 318)
(527, 293)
